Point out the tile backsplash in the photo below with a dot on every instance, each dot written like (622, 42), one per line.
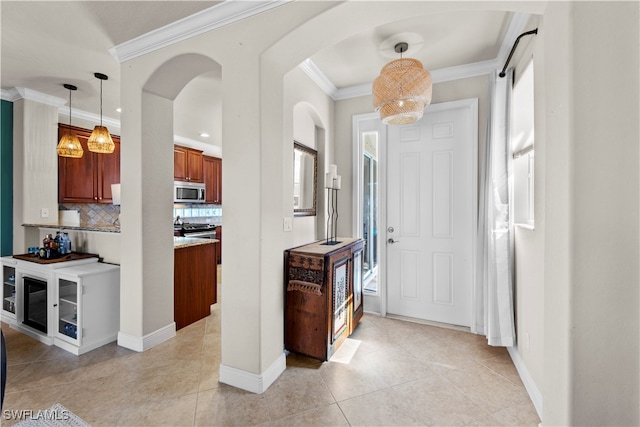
(211, 214)
(93, 214)
(102, 215)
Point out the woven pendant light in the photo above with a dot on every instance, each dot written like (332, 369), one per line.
(402, 90)
(100, 140)
(69, 145)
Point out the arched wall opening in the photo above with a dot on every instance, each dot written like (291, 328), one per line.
(302, 42)
(309, 130)
(147, 300)
(257, 115)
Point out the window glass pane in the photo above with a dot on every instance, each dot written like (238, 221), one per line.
(522, 143)
(370, 208)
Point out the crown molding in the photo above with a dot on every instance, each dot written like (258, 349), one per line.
(315, 74)
(437, 76)
(9, 95)
(353, 91)
(515, 28)
(217, 16)
(208, 149)
(464, 71)
(91, 117)
(17, 93)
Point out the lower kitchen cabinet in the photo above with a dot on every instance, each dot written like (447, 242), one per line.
(194, 282)
(88, 307)
(323, 302)
(74, 304)
(219, 249)
(8, 313)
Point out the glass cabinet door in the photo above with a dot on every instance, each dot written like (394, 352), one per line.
(340, 298)
(68, 309)
(9, 289)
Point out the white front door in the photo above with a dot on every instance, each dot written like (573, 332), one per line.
(431, 214)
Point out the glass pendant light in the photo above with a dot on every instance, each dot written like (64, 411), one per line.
(100, 140)
(69, 145)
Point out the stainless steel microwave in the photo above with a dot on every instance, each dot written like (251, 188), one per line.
(188, 192)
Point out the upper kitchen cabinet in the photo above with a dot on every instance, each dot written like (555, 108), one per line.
(212, 167)
(187, 164)
(89, 178)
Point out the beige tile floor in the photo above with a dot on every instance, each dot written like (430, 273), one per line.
(401, 374)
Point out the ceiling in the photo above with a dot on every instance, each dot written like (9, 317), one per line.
(48, 43)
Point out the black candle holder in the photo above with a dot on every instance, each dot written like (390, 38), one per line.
(332, 220)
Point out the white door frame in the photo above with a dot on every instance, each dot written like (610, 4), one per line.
(357, 190)
(471, 103)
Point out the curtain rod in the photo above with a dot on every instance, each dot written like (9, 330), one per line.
(515, 44)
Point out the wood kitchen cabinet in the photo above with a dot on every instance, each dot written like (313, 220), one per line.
(324, 301)
(212, 171)
(89, 178)
(219, 244)
(187, 164)
(194, 282)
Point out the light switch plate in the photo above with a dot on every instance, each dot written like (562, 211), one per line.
(44, 213)
(287, 224)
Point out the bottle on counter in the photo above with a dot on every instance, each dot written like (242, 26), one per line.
(57, 245)
(67, 243)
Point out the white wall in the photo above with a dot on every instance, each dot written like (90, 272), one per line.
(529, 244)
(35, 168)
(605, 242)
(591, 331)
(312, 113)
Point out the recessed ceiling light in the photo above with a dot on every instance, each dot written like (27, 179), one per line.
(204, 135)
(119, 110)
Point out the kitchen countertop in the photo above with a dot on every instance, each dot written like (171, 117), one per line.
(184, 242)
(102, 229)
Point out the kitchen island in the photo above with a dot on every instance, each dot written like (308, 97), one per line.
(195, 277)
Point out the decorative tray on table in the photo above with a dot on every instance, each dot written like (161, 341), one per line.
(73, 256)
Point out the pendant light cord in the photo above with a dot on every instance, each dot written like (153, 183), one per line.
(100, 102)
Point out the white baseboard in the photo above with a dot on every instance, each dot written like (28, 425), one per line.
(37, 335)
(255, 383)
(146, 342)
(527, 379)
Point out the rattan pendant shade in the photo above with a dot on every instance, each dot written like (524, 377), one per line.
(100, 140)
(69, 145)
(402, 90)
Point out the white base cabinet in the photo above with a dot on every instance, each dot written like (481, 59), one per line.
(87, 309)
(80, 299)
(8, 313)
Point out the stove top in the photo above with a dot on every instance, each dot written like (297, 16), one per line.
(194, 229)
(192, 226)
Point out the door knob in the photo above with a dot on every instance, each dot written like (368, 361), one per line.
(391, 241)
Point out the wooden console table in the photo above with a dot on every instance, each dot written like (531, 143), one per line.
(323, 302)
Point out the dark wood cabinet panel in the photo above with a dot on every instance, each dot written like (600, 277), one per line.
(219, 237)
(194, 283)
(187, 164)
(180, 163)
(323, 302)
(89, 178)
(212, 172)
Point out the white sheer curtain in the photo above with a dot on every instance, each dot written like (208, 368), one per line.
(493, 305)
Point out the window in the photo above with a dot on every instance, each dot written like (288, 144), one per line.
(370, 209)
(522, 146)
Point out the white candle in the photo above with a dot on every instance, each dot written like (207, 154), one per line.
(328, 180)
(333, 169)
(337, 182)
